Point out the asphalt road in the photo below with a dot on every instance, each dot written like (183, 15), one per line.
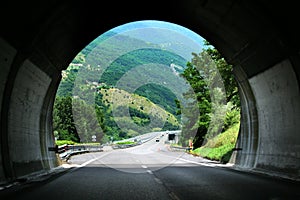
(150, 171)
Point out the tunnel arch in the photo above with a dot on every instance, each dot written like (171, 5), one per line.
(257, 37)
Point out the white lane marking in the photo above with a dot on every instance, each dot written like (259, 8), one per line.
(88, 162)
(158, 180)
(144, 166)
(92, 160)
(190, 161)
(174, 196)
(204, 164)
(149, 171)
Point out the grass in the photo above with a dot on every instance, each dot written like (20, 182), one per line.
(127, 142)
(62, 142)
(70, 142)
(220, 147)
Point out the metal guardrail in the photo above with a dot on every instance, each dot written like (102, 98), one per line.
(65, 151)
(176, 148)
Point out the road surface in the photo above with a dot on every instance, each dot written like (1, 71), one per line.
(150, 171)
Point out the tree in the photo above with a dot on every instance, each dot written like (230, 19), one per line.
(226, 72)
(79, 59)
(86, 121)
(63, 121)
(195, 125)
(211, 79)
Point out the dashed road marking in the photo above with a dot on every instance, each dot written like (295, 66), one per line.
(174, 196)
(158, 180)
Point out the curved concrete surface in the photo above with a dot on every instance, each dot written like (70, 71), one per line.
(38, 39)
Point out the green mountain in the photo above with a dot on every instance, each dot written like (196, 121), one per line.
(94, 75)
(88, 63)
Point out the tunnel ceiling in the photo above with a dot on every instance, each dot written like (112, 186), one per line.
(60, 29)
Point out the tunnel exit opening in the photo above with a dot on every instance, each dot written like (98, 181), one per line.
(145, 80)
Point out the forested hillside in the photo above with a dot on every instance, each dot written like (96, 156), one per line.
(107, 127)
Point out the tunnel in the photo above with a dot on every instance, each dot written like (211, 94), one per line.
(38, 39)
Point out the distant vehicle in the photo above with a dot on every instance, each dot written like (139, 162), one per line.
(157, 140)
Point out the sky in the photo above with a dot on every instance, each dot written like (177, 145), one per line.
(159, 24)
(165, 35)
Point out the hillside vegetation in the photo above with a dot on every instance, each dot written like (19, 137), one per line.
(220, 147)
(95, 115)
(141, 111)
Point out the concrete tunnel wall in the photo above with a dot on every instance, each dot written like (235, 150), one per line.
(268, 77)
(270, 112)
(28, 122)
(277, 91)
